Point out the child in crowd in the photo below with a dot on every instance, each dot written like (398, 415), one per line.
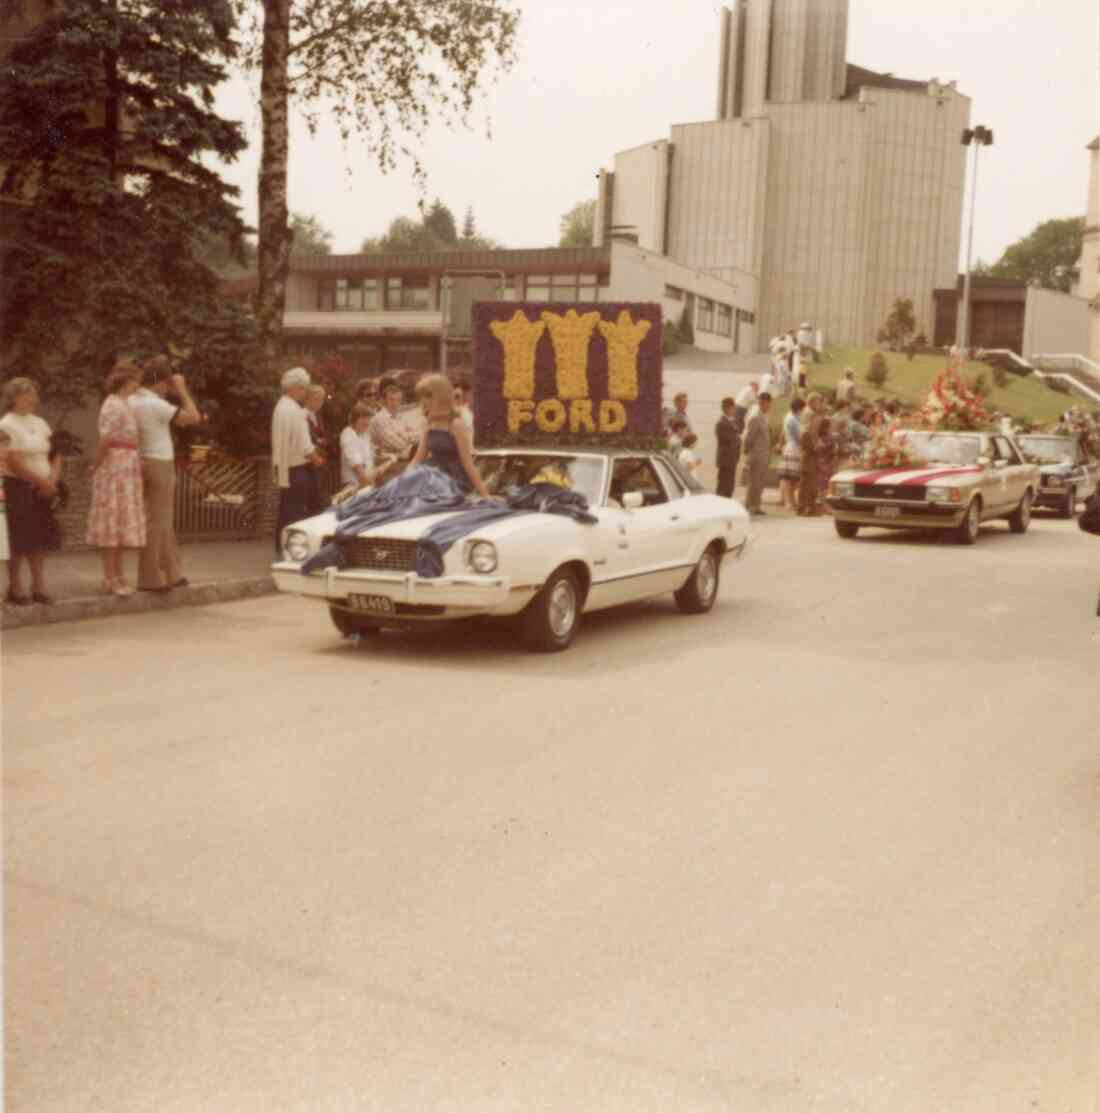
(688, 459)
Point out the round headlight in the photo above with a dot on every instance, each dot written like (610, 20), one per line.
(295, 545)
(483, 556)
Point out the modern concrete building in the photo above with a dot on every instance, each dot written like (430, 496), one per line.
(830, 188)
(1088, 280)
(411, 311)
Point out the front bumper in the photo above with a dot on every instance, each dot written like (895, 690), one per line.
(910, 515)
(413, 597)
(1053, 497)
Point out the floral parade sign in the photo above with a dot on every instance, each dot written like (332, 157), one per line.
(585, 373)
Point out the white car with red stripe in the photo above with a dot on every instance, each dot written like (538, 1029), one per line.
(964, 479)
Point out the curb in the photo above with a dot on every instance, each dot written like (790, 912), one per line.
(103, 606)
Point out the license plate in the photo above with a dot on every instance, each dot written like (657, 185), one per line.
(371, 604)
(887, 511)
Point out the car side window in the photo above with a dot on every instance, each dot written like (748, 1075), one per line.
(673, 485)
(634, 474)
(1007, 452)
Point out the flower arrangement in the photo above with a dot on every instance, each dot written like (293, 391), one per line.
(953, 405)
(888, 447)
(1084, 426)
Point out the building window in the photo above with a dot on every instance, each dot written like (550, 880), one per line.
(745, 317)
(565, 287)
(725, 320)
(704, 318)
(538, 287)
(408, 293)
(674, 293)
(509, 290)
(348, 294)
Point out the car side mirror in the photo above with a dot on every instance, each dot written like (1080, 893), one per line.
(983, 461)
(633, 500)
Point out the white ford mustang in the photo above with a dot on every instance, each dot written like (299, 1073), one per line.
(653, 533)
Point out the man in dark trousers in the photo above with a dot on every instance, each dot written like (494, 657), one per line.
(728, 435)
(757, 453)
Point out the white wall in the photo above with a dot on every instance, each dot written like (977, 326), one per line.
(1055, 324)
(639, 195)
(640, 275)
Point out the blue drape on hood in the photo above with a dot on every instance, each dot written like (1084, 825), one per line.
(426, 490)
(534, 498)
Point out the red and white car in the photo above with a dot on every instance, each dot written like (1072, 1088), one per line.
(963, 479)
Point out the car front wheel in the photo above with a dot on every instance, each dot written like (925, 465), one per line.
(697, 596)
(1020, 518)
(1069, 509)
(967, 531)
(847, 530)
(551, 618)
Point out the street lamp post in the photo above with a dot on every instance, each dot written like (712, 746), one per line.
(978, 137)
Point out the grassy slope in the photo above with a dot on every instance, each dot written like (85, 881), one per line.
(910, 379)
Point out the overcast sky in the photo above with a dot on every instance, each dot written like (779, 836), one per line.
(593, 78)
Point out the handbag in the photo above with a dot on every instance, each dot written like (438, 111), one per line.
(1090, 517)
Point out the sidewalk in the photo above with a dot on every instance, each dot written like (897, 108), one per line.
(217, 570)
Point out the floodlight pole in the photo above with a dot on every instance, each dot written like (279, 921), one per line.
(978, 137)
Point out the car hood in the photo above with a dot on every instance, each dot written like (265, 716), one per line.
(911, 477)
(412, 529)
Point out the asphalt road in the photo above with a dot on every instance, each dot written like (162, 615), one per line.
(833, 847)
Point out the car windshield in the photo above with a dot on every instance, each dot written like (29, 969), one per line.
(944, 448)
(583, 474)
(1047, 450)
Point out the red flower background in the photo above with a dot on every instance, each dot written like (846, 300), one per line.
(643, 424)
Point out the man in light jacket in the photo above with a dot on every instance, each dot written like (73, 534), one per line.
(292, 453)
(758, 449)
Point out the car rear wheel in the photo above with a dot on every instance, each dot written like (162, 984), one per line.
(551, 619)
(1020, 518)
(697, 596)
(349, 625)
(967, 531)
(1069, 508)
(847, 530)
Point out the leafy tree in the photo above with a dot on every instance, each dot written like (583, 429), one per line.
(379, 68)
(311, 237)
(878, 371)
(900, 325)
(1048, 255)
(578, 225)
(440, 221)
(406, 234)
(106, 128)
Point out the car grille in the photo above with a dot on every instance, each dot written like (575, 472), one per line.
(379, 554)
(885, 491)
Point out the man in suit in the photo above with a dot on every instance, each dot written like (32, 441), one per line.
(728, 435)
(758, 450)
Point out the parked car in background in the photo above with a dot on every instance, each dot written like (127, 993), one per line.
(963, 479)
(1067, 472)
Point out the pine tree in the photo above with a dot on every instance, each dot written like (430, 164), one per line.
(106, 115)
(469, 226)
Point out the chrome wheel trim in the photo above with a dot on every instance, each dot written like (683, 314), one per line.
(973, 520)
(1025, 510)
(706, 577)
(562, 608)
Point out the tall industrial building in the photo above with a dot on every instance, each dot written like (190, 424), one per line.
(822, 191)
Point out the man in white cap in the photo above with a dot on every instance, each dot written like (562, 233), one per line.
(292, 452)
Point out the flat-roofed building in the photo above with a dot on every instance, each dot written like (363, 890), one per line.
(836, 188)
(1088, 275)
(411, 311)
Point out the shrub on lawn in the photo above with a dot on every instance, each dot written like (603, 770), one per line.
(1001, 377)
(980, 385)
(878, 372)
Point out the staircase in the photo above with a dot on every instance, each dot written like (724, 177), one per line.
(1078, 373)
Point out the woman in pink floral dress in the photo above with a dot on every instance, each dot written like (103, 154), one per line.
(116, 520)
